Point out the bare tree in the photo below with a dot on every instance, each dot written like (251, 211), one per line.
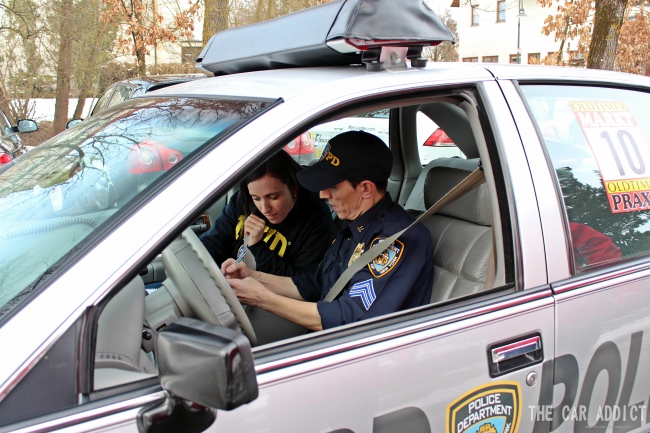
(64, 67)
(444, 51)
(92, 50)
(215, 17)
(608, 20)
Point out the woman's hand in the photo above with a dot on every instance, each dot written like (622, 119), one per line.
(254, 229)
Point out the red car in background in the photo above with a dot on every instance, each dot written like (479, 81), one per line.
(11, 146)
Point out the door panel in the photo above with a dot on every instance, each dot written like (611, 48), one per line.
(408, 382)
(603, 340)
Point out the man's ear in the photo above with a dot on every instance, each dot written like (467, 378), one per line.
(367, 188)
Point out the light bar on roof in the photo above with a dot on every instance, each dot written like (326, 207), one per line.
(333, 34)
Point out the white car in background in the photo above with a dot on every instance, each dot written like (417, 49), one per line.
(433, 142)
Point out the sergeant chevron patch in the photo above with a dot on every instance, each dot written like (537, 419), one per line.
(364, 290)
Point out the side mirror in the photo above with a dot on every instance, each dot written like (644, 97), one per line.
(27, 125)
(206, 364)
(202, 367)
(73, 122)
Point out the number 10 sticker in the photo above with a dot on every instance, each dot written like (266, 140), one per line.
(621, 151)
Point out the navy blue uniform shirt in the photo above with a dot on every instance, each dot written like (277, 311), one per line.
(399, 278)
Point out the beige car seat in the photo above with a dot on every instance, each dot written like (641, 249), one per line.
(461, 232)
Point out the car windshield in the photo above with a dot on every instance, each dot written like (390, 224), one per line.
(58, 194)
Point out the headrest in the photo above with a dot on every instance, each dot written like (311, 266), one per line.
(473, 206)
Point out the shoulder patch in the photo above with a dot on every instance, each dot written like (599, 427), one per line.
(387, 260)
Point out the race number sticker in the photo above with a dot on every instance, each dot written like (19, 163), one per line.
(621, 152)
(491, 408)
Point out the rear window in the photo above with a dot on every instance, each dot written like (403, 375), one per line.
(598, 142)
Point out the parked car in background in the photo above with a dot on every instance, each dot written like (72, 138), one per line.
(11, 146)
(301, 148)
(127, 89)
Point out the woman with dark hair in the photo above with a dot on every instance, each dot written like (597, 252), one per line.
(286, 227)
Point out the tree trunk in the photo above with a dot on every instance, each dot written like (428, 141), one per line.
(215, 18)
(4, 104)
(608, 21)
(142, 64)
(63, 68)
(78, 111)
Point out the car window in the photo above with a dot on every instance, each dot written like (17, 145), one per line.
(598, 142)
(62, 191)
(102, 102)
(433, 141)
(374, 122)
(121, 94)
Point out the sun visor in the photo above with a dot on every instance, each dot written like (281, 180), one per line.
(332, 34)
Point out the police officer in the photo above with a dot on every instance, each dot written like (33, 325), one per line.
(352, 176)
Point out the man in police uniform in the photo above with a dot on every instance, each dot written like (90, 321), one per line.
(352, 176)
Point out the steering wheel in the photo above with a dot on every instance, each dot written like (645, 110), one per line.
(199, 288)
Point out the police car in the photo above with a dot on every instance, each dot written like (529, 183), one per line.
(540, 314)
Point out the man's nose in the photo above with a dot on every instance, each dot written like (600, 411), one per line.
(325, 194)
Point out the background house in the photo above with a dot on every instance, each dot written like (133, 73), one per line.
(497, 30)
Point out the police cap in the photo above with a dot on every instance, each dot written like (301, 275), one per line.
(352, 155)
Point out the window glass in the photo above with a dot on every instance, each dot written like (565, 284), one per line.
(433, 142)
(474, 16)
(501, 11)
(375, 122)
(121, 94)
(103, 101)
(62, 191)
(598, 141)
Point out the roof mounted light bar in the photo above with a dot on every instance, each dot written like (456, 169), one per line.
(342, 32)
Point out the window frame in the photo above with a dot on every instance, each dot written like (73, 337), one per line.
(474, 17)
(501, 11)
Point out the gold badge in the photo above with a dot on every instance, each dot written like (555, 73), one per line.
(357, 253)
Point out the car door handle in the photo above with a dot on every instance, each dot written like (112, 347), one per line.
(507, 356)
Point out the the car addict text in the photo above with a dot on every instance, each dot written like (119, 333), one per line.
(617, 408)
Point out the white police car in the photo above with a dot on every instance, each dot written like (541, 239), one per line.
(540, 315)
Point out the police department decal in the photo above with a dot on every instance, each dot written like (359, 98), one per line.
(387, 260)
(491, 408)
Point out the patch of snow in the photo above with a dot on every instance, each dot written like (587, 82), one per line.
(43, 108)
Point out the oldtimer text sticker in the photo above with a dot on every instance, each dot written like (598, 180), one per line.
(491, 408)
(621, 151)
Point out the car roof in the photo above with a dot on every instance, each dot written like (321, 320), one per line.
(290, 82)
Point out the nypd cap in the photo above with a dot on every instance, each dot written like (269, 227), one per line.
(352, 155)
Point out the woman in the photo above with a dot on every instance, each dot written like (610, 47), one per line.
(287, 227)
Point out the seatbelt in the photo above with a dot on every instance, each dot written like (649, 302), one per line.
(475, 178)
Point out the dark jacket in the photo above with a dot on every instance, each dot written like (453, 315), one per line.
(399, 278)
(294, 246)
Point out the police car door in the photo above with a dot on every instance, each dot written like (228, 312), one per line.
(597, 140)
(470, 366)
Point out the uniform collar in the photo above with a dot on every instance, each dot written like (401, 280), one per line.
(360, 226)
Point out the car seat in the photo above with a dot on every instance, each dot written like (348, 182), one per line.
(461, 232)
(119, 357)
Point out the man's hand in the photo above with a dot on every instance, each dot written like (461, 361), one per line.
(250, 291)
(254, 229)
(235, 270)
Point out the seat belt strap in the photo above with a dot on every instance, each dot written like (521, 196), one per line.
(475, 178)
